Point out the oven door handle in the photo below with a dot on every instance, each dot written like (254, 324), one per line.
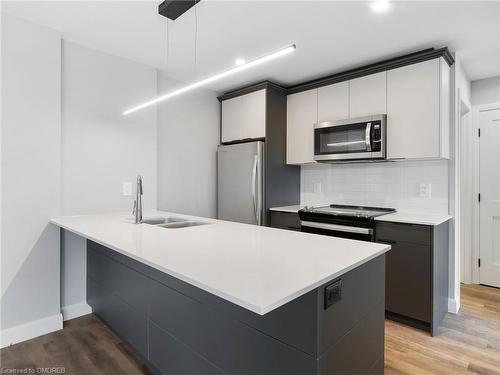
(336, 227)
(368, 133)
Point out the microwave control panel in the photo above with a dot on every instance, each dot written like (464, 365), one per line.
(376, 137)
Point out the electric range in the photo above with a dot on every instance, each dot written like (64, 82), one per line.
(354, 222)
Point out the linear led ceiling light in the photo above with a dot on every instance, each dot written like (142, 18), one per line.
(237, 69)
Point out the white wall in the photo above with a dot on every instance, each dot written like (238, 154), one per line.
(101, 148)
(31, 162)
(188, 135)
(486, 91)
(460, 99)
(389, 184)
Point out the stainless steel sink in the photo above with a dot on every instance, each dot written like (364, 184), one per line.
(163, 220)
(182, 224)
(172, 222)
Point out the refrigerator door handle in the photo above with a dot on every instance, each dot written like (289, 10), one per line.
(254, 193)
(258, 213)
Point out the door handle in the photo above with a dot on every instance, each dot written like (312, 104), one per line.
(336, 227)
(368, 137)
(254, 180)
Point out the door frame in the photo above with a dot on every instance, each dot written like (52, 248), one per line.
(476, 110)
(465, 134)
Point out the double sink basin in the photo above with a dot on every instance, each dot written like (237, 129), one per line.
(172, 222)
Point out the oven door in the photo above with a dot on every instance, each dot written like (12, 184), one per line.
(336, 230)
(353, 139)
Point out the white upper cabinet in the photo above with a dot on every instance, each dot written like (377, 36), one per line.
(302, 114)
(418, 111)
(244, 117)
(416, 99)
(368, 95)
(333, 102)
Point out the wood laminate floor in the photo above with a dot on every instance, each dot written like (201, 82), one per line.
(84, 347)
(467, 343)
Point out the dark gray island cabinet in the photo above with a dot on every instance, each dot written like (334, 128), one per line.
(177, 328)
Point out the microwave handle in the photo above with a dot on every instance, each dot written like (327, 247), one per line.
(368, 137)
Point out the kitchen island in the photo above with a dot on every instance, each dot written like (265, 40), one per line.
(231, 298)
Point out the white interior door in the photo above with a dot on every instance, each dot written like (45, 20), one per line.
(489, 208)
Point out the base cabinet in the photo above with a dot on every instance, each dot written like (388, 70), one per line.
(416, 273)
(171, 356)
(408, 290)
(285, 220)
(181, 329)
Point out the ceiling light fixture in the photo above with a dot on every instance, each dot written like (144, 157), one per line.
(380, 6)
(237, 69)
(239, 62)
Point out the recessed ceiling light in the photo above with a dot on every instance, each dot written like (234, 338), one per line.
(239, 62)
(216, 77)
(380, 6)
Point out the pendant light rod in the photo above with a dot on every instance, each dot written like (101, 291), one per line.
(237, 69)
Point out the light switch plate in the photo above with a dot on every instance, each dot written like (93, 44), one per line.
(425, 190)
(127, 189)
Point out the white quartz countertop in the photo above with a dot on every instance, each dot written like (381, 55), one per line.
(293, 209)
(258, 268)
(410, 218)
(397, 217)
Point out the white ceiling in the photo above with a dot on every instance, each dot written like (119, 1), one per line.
(330, 36)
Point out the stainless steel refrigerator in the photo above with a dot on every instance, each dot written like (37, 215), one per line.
(240, 178)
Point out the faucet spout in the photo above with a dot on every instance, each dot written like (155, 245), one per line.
(138, 201)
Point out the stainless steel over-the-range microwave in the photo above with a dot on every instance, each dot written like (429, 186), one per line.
(356, 139)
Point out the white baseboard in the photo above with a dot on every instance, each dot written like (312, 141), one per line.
(30, 330)
(453, 306)
(76, 310)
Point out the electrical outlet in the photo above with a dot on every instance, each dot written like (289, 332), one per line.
(425, 190)
(127, 189)
(333, 293)
(317, 187)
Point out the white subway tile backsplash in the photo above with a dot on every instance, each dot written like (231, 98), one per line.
(389, 184)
